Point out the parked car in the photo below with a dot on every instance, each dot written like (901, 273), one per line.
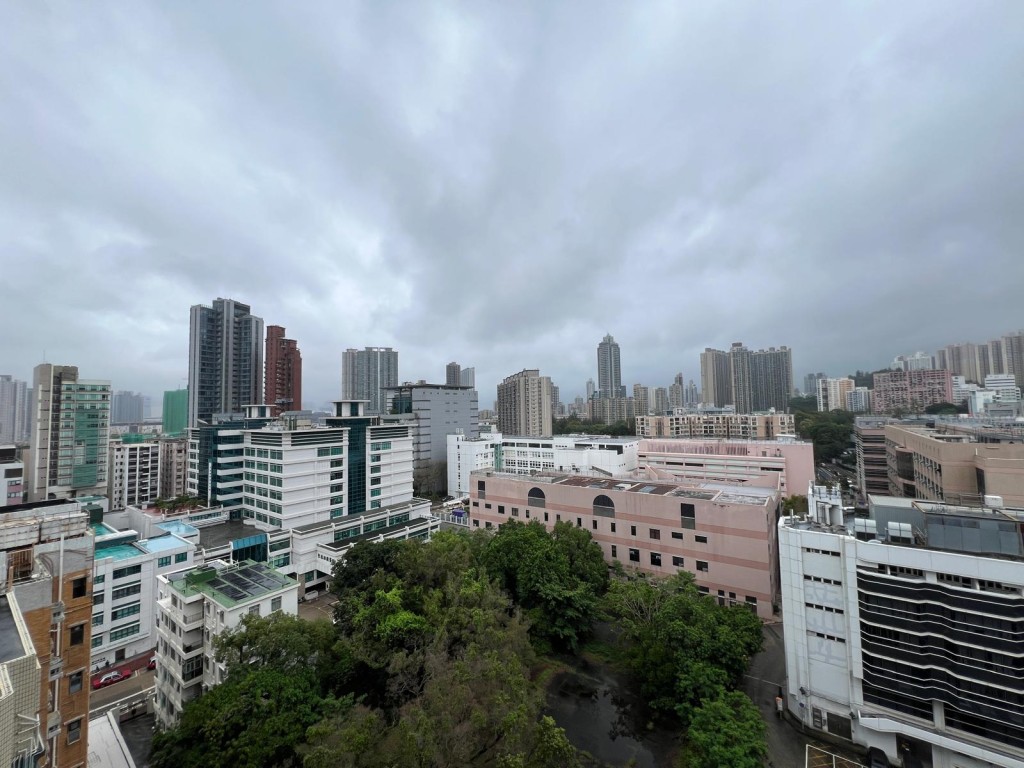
(152, 663)
(109, 679)
(877, 758)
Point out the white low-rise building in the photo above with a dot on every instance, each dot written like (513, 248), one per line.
(194, 607)
(904, 631)
(125, 569)
(133, 473)
(612, 456)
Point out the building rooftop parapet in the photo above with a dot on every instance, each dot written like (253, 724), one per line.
(229, 584)
(720, 492)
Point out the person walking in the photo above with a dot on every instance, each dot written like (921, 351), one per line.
(779, 704)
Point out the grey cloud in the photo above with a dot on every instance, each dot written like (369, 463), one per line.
(503, 184)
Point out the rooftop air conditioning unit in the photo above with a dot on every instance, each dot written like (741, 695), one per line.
(995, 502)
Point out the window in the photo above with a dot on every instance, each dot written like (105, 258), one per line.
(99, 579)
(701, 539)
(632, 530)
(687, 516)
(74, 730)
(163, 562)
(275, 604)
(677, 561)
(132, 589)
(77, 634)
(97, 641)
(615, 551)
(181, 557)
(75, 682)
(604, 507)
(579, 522)
(545, 517)
(97, 618)
(536, 498)
(593, 524)
(501, 509)
(78, 587)
(254, 610)
(131, 570)
(558, 518)
(98, 598)
(131, 609)
(655, 533)
(677, 535)
(613, 527)
(122, 632)
(634, 555)
(655, 558)
(702, 566)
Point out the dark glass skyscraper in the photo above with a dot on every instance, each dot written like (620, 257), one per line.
(225, 360)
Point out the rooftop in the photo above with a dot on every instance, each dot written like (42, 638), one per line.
(230, 585)
(722, 492)
(162, 543)
(179, 528)
(11, 644)
(223, 533)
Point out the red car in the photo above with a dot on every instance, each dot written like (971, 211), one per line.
(152, 663)
(109, 679)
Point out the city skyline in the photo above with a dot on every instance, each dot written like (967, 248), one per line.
(421, 201)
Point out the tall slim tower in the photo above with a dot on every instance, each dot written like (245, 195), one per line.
(367, 373)
(283, 380)
(13, 408)
(609, 369)
(715, 377)
(225, 359)
(452, 371)
(70, 434)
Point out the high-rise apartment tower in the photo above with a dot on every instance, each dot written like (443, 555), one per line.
(283, 381)
(367, 373)
(225, 359)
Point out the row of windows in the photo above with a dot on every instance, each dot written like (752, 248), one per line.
(654, 533)
(816, 551)
(131, 570)
(826, 637)
(334, 450)
(823, 580)
(131, 589)
(163, 562)
(260, 466)
(263, 453)
(122, 632)
(825, 608)
(265, 479)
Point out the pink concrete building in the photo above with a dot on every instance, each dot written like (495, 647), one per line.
(724, 534)
(911, 391)
(785, 463)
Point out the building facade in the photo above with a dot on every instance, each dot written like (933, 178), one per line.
(12, 476)
(225, 364)
(944, 465)
(911, 391)
(126, 408)
(715, 378)
(832, 393)
(609, 369)
(175, 413)
(197, 605)
(858, 400)
(435, 412)
(786, 463)
(524, 404)
(14, 410)
(872, 465)
(133, 474)
(283, 379)
(70, 434)
(367, 373)
(125, 570)
(903, 633)
(46, 558)
(728, 426)
(723, 534)
(611, 456)
(173, 467)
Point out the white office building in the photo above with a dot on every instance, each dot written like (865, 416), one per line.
(858, 400)
(125, 570)
(905, 629)
(195, 606)
(612, 456)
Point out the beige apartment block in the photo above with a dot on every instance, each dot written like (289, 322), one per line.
(722, 533)
(940, 465)
(728, 426)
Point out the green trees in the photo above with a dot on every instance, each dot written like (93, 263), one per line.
(556, 579)
(725, 732)
(573, 425)
(428, 661)
(683, 648)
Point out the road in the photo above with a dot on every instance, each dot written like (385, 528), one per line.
(787, 745)
(101, 699)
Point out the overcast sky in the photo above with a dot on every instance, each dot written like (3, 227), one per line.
(501, 184)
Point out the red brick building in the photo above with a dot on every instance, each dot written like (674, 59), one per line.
(283, 380)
